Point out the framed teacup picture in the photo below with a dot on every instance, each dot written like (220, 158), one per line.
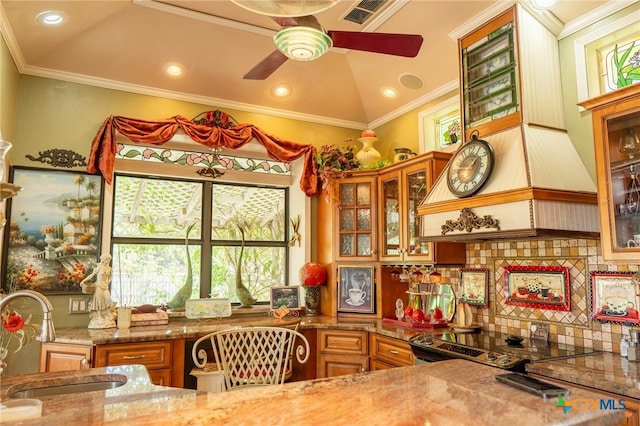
(474, 286)
(356, 289)
(615, 297)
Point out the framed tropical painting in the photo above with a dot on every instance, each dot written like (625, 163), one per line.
(52, 235)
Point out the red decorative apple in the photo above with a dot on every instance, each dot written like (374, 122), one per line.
(418, 316)
(437, 314)
(408, 313)
(313, 274)
(368, 134)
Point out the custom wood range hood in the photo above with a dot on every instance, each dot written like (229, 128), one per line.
(539, 186)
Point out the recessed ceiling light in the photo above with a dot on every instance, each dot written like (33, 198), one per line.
(174, 69)
(389, 92)
(281, 90)
(51, 17)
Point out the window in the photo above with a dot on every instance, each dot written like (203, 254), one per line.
(151, 216)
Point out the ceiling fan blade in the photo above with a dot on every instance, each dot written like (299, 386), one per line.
(390, 44)
(267, 66)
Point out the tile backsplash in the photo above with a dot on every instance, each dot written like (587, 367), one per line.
(576, 326)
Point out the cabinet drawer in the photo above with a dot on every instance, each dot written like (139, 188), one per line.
(152, 354)
(394, 351)
(343, 342)
(332, 365)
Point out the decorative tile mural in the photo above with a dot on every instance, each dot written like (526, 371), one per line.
(575, 327)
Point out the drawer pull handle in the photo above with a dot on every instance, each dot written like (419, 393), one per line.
(133, 356)
(393, 351)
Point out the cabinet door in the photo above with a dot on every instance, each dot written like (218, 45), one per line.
(414, 190)
(400, 192)
(356, 218)
(616, 131)
(64, 357)
(392, 245)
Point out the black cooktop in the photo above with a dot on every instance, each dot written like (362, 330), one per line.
(533, 350)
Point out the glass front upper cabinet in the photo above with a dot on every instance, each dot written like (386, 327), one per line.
(356, 218)
(401, 192)
(490, 78)
(616, 131)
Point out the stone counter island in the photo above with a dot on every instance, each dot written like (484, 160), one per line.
(455, 392)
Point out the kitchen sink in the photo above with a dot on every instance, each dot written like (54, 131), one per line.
(55, 387)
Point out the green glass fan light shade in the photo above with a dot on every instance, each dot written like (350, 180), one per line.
(302, 43)
(285, 8)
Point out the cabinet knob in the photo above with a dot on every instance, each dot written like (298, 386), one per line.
(84, 362)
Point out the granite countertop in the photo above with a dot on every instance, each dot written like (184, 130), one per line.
(605, 371)
(192, 329)
(449, 392)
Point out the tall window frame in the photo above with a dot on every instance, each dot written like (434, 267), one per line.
(128, 166)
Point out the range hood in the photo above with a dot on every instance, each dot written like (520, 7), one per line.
(539, 186)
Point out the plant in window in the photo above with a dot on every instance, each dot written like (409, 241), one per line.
(627, 68)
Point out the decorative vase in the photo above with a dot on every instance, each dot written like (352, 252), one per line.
(48, 238)
(402, 154)
(312, 300)
(368, 155)
(4, 148)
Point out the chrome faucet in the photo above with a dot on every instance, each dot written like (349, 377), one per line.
(48, 333)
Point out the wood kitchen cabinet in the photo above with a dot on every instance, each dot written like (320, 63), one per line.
(401, 189)
(388, 352)
(355, 217)
(616, 133)
(156, 356)
(342, 352)
(65, 357)
(164, 360)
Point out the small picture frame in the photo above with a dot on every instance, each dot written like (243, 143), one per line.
(356, 289)
(540, 287)
(474, 284)
(614, 297)
(285, 295)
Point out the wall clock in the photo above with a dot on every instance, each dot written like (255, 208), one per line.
(470, 167)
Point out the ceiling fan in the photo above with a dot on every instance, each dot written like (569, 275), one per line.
(302, 38)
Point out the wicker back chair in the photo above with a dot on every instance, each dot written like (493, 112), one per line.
(252, 356)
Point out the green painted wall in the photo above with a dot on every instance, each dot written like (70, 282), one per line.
(9, 78)
(58, 114)
(579, 122)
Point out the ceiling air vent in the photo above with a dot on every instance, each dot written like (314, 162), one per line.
(364, 10)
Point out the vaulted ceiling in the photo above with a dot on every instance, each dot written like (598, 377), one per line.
(125, 45)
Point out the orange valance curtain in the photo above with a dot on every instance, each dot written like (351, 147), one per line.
(217, 132)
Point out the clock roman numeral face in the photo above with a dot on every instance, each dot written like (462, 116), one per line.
(470, 168)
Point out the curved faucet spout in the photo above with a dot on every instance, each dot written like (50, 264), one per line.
(48, 332)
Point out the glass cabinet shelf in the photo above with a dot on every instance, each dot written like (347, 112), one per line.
(616, 132)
